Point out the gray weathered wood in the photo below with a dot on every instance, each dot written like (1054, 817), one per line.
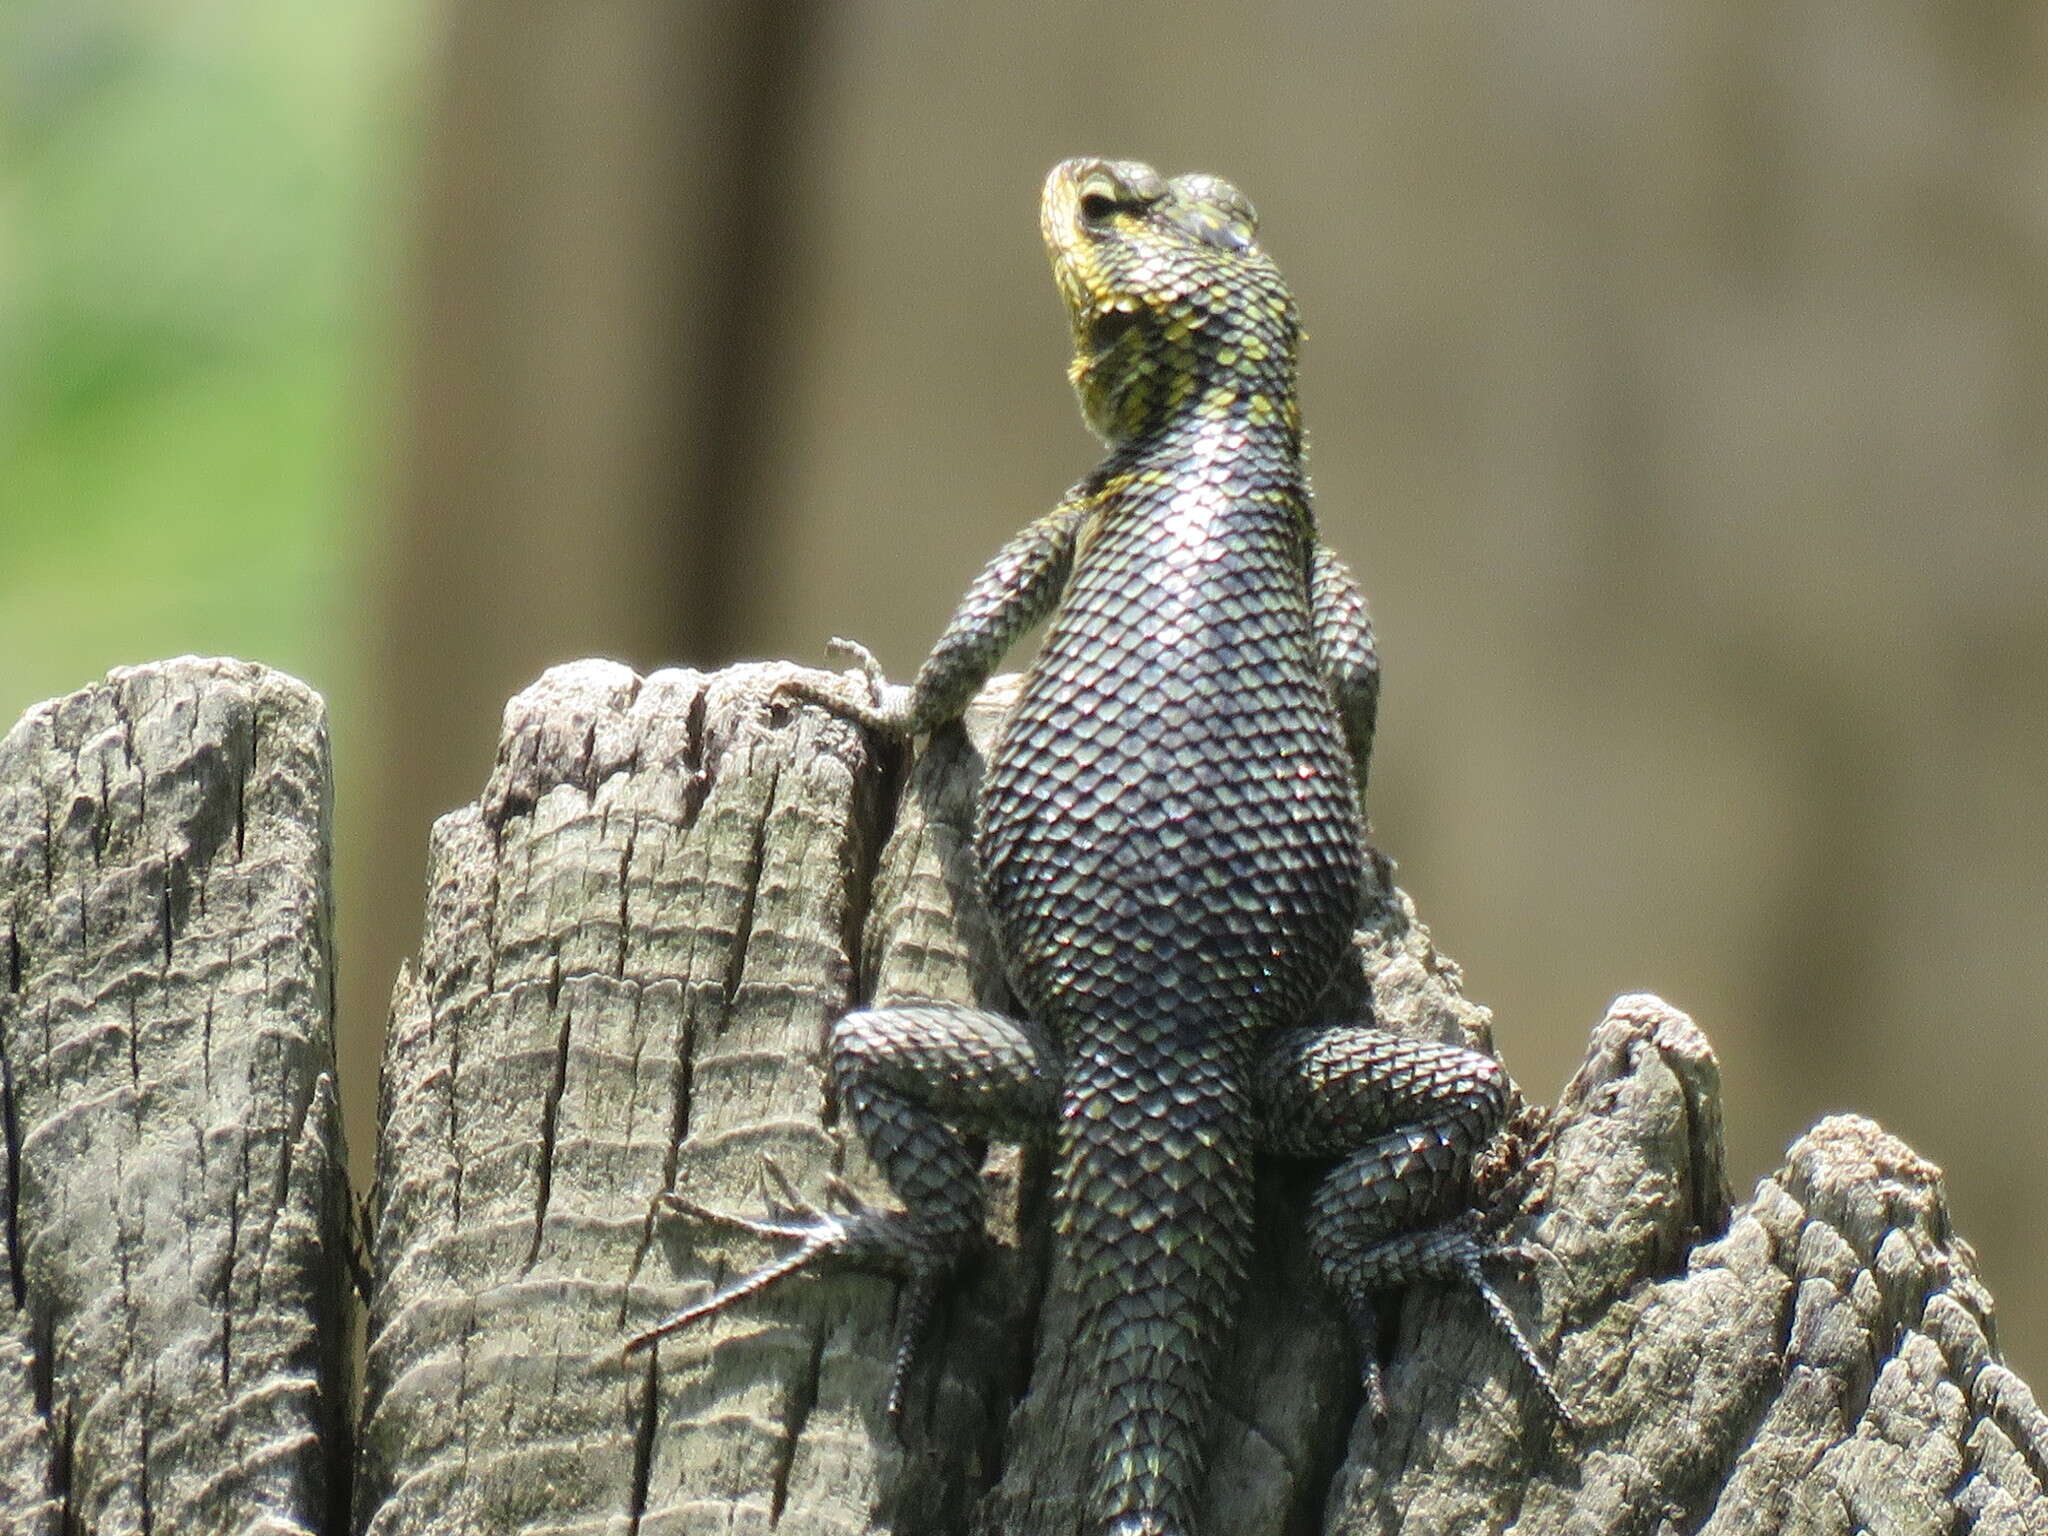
(639, 938)
(636, 941)
(173, 1358)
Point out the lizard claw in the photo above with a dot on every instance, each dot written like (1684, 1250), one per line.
(845, 1196)
(1524, 1255)
(1374, 1381)
(1365, 1328)
(1505, 1320)
(878, 712)
(784, 1199)
(865, 660)
(858, 1234)
(793, 1218)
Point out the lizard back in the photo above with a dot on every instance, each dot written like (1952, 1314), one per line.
(1169, 841)
(1169, 832)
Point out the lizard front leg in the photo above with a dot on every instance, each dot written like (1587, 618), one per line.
(916, 1082)
(1014, 591)
(1351, 663)
(1406, 1118)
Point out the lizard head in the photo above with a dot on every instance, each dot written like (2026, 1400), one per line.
(1174, 304)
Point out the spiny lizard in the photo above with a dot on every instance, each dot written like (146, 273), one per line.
(1170, 845)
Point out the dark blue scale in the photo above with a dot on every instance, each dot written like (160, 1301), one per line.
(1212, 805)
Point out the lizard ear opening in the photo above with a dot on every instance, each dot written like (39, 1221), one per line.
(1216, 213)
(1108, 328)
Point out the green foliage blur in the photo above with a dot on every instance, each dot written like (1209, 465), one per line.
(199, 211)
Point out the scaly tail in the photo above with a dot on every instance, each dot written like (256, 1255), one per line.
(1156, 1225)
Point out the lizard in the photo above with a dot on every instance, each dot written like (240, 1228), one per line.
(1170, 843)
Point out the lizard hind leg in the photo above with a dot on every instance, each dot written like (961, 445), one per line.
(916, 1082)
(1407, 1117)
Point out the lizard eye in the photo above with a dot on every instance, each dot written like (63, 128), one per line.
(1097, 206)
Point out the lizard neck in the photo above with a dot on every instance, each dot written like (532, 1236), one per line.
(1256, 411)
(1166, 375)
(1232, 451)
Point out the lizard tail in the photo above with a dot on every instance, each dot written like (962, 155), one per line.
(1156, 1231)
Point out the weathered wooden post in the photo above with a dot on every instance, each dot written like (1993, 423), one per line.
(637, 939)
(175, 1192)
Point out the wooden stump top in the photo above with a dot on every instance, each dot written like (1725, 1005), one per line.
(637, 940)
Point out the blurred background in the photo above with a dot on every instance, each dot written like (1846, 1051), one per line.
(1677, 377)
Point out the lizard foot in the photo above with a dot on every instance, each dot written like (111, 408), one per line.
(863, 659)
(1471, 1265)
(878, 712)
(816, 1235)
(1456, 1252)
(1372, 1380)
(857, 1235)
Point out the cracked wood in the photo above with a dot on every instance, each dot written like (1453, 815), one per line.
(175, 1218)
(695, 862)
(637, 939)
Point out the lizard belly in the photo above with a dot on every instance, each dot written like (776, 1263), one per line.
(1169, 831)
